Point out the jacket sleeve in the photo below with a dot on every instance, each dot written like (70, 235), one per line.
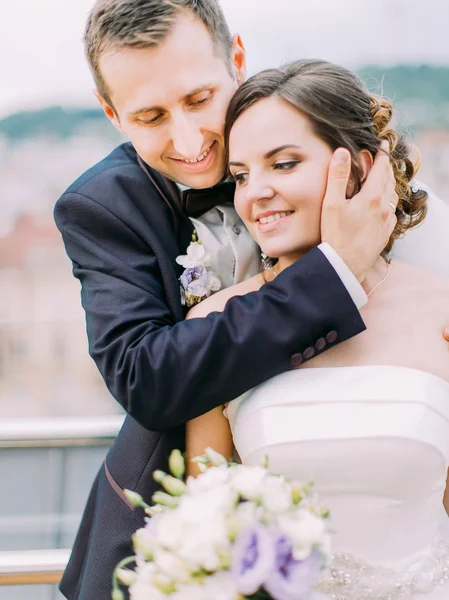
(164, 372)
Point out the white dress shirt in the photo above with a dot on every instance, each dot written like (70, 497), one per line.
(237, 256)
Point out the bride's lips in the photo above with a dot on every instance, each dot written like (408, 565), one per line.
(268, 227)
(204, 164)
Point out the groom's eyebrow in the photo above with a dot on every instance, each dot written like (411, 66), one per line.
(143, 110)
(201, 88)
(147, 109)
(269, 154)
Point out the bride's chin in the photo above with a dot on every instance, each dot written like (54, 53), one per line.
(285, 259)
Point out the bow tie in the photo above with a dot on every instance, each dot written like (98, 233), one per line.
(195, 203)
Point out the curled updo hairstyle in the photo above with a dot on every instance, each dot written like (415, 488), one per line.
(343, 114)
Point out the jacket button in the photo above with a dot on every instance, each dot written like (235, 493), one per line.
(331, 337)
(308, 353)
(297, 359)
(236, 229)
(320, 344)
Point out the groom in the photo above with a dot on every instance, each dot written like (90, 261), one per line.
(165, 71)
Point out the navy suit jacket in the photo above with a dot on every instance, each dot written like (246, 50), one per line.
(123, 230)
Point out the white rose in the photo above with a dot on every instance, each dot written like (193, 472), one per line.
(208, 480)
(169, 529)
(204, 544)
(143, 590)
(170, 565)
(249, 481)
(305, 530)
(247, 514)
(276, 494)
(209, 505)
(144, 542)
(221, 586)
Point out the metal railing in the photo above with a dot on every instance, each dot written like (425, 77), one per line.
(46, 566)
(32, 567)
(59, 433)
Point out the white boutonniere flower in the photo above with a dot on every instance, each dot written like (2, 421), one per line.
(197, 280)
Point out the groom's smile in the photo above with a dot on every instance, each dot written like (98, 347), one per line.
(170, 100)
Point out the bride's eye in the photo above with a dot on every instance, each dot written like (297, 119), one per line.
(239, 178)
(286, 165)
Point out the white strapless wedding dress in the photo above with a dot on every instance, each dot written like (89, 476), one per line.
(376, 442)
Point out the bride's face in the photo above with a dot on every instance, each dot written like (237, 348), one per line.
(280, 167)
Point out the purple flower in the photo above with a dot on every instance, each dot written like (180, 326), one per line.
(189, 275)
(292, 579)
(199, 286)
(253, 557)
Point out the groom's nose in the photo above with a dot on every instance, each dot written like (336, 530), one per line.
(186, 136)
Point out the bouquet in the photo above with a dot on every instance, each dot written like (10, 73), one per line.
(235, 532)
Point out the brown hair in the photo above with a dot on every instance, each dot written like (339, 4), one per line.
(343, 114)
(115, 24)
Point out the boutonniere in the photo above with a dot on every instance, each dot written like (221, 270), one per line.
(197, 280)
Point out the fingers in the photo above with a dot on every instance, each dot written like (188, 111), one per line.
(339, 171)
(381, 176)
(391, 224)
(446, 333)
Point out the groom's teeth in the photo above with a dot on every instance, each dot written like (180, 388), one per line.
(200, 157)
(274, 217)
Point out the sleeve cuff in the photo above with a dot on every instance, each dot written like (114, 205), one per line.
(348, 279)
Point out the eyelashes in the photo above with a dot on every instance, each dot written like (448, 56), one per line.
(284, 166)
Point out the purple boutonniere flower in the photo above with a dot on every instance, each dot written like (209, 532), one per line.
(197, 279)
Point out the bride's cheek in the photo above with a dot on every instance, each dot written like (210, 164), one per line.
(242, 208)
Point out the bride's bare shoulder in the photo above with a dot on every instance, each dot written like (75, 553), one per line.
(413, 276)
(217, 301)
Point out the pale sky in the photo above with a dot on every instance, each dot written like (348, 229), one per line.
(42, 61)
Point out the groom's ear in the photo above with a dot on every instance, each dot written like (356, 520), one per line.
(238, 59)
(109, 111)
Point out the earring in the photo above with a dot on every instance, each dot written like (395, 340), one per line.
(266, 261)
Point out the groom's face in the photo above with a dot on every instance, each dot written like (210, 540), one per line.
(171, 101)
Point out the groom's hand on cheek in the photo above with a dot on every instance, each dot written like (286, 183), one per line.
(446, 333)
(359, 228)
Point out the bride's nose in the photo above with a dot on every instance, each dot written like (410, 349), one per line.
(259, 188)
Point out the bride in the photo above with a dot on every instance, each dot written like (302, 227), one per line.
(369, 418)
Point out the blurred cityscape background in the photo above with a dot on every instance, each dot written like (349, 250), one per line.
(51, 131)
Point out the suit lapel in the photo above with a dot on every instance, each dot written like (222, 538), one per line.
(173, 240)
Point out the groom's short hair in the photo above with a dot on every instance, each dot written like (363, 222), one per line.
(115, 24)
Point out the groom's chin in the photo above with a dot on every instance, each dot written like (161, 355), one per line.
(201, 182)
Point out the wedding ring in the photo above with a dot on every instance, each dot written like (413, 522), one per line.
(393, 207)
